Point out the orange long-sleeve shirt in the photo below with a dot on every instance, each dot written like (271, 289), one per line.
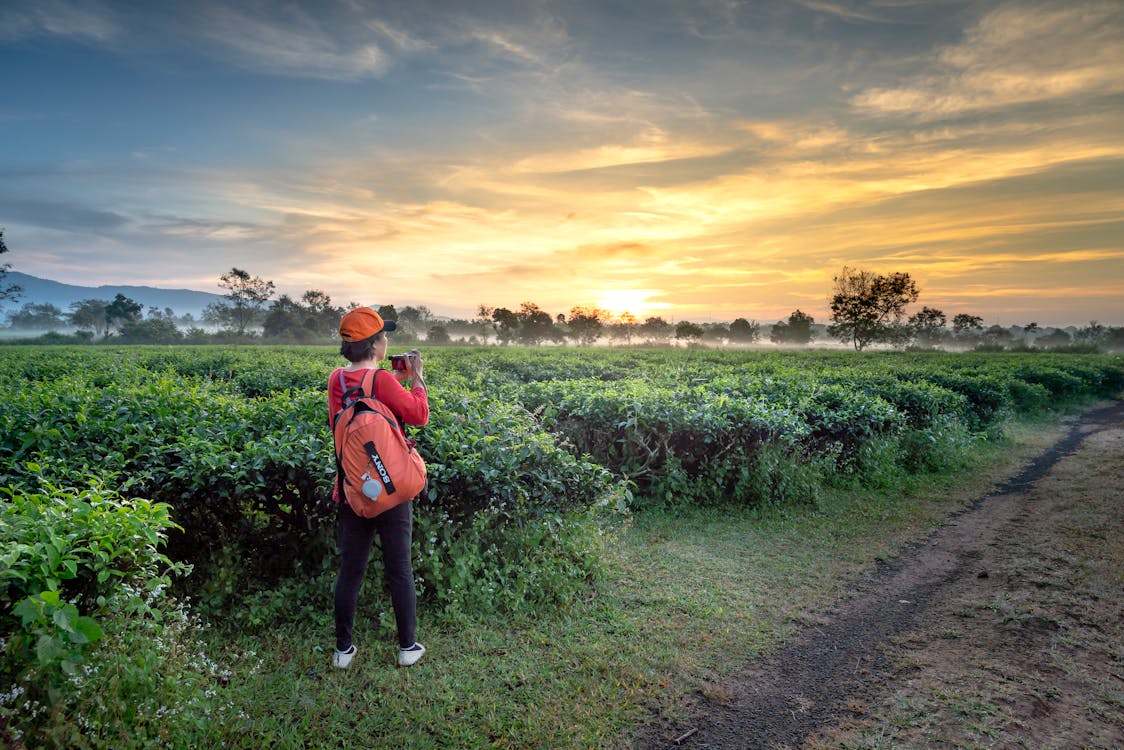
(410, 406)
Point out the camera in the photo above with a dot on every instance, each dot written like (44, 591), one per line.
(398, 361)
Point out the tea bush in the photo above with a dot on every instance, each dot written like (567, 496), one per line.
(80, 572)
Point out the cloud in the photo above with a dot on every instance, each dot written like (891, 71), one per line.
(82, 21)
(1018, 54)
(653, 146)
(289, 41)
(841, 11)
(59, 215)
(209, 230)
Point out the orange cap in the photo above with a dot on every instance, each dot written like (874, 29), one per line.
(363, 323)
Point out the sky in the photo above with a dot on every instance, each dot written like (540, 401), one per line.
(694, 159)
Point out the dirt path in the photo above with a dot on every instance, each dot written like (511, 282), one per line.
(1003, 629)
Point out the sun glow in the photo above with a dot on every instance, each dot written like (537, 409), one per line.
(617, 302)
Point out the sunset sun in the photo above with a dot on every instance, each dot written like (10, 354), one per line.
(635, 301)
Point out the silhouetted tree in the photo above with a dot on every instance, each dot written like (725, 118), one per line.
(506, 324)
(586, 324)
(655, 330)
(928, 326)
(122, 310)
(245, 295)
(716, 333)
(484, 321)
(624, 328)
(7, 291)
(89, 314)
(151, 331)
(687, 331)
(744, 332)
(966, 328)
(320, 316)
(413, 320)
(37, 316)
(796, 330)
(1094, 333)
(283, 320)
(535, 326)
(867, 307)
(438, 335)
(1056, 338)
(997, 336)
(313, 318)
(386, 312)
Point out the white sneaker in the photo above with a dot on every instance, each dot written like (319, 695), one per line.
(341, 659)
(409, 656)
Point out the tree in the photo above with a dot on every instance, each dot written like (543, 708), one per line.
(655, 330)
(715, 333)
(586, 324)
(89, 314)
(246, 296)
(744, 332)
(928, 326)
(386, 312)
(413, 320)
(687, 331)
(624, 328)
(320, 316)
(36, 316)
(1094, 333)
(485, 321)
(867, 307)
(312, 319)
(122, 310)
(966, 328)
(283, 320)
(1057, 337)
(797, 330)
(535, 325)
(155, 313)
(151, 331)
(438, 335)
(11, 291)
(506, 324)
(1113, 340)
(997, 334)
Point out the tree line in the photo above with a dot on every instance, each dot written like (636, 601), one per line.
(867, 309)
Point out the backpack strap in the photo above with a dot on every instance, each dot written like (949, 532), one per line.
(365, 389)
(367, 384)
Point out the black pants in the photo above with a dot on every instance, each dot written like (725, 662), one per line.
(356, 535)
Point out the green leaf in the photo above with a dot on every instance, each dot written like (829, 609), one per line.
(62, 617)
(48, 650)
(28, 610)
(89, 628)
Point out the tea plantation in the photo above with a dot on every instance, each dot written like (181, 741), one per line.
(149, 494)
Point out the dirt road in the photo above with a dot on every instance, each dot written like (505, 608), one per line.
(1003, 629)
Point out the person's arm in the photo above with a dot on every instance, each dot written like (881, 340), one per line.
(411, 406)
(335, 396)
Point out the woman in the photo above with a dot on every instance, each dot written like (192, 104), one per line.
(364, 344)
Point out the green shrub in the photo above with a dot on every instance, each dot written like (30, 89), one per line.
(80, 573)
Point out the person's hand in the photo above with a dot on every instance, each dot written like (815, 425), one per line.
(414, 366)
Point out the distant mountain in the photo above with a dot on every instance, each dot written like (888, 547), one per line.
(44, 291)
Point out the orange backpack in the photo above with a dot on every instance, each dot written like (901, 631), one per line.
(378, 468)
